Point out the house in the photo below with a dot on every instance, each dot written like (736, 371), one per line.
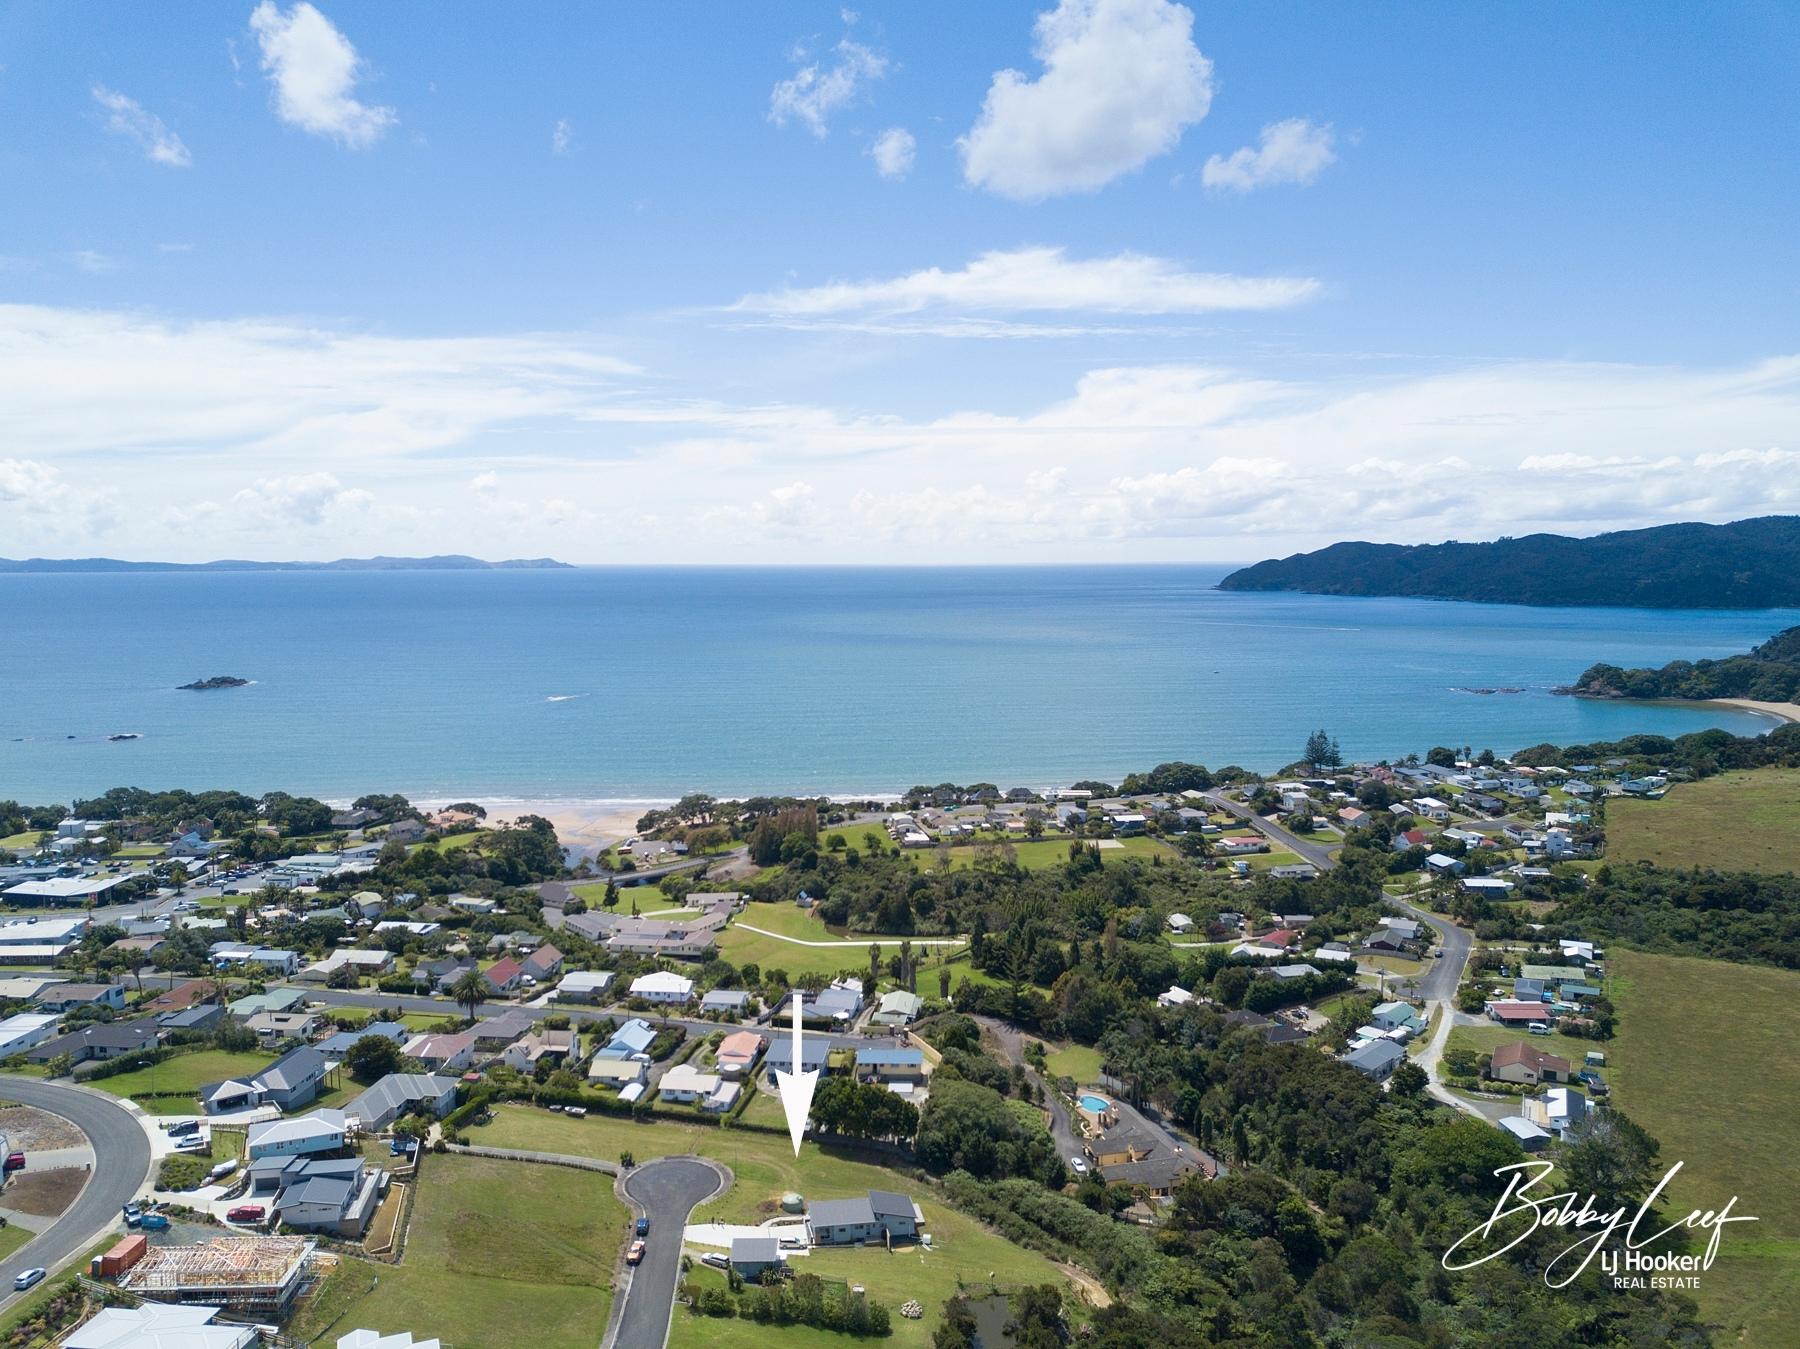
(633, 1038)
(1390, 1015)
(336, 1046)
(890, 1065)
(1559, 1110)
(1531, 1137)
(358, 961)
(440, 975)
(1529, 990)
(287, 1084)
(1384, 939)
(1443, 862)
(406, 831)
(663, 987)
(496, 1032)
(1491, 887)
(617, 1072)
(879, 1214)
(737, 1053)
(474, 904)
(298, 1025)
(321, 1131)
(752, 1257)
(275, 1000)
(24, 1030)
(525, 1053)
(1375, 1060)
(67, 997)
(726, 1002)
(691, 939)
(1299, 971)
(1180, 924)
(201, 1019)
(722, 1097)
(160, 1325)
(1159, 1174)
(543, 964)
(584, 986)
(400, 1094)
(1240, 847)
(503, 975)
(1353, 817)
(1177, 996)
(336, 1196)
(1407, 839)
(898, 1008)
(1509, 1013)
(101, 1041)
(140, 948)
(815, 1050)
(442, 1053)
(837, 1004)
(686, 1084)
(272, 959)
(1527, 1064)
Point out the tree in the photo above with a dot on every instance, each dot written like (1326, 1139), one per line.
(1408, 1080)
(1318, 749)
(611, 898)
(470, 990)
(373, 1057)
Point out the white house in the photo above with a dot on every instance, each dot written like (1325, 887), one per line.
(1177, 996)
(686, 1084)
(663, 986)
(584, 985)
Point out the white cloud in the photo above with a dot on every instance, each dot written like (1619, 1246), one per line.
(1122, 80)
(314, 70)
(1030, 280)
(92, 262)
(305, 499)
(817, 90)
(485, 483)
(562, 136)
(893, 152)
(127, 117)
(1294, 151)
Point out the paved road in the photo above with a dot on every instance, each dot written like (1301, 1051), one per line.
(1062, 1130)
(1311, 852)
(122, 1152)
(667, 1191)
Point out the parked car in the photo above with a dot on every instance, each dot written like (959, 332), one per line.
(1078, 1166)
(15, 1161)
(576, 1111)
(643, 1226)
(30, 1278)
(246, 1213)
(1539, 1028)
(635, 1256)
(154, 1222)
(182, 1127)
(716, 1260)
(191, 1143)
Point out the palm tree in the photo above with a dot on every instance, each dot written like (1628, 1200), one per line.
(470, 990)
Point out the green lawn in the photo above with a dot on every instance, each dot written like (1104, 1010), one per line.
(185, 1073)
(26, 842)
(1705, 1061)
(766, 1168)
(12, 1236)
(1486, 1039)
(493, 1245)
(1746, 821)
(1081, 1062)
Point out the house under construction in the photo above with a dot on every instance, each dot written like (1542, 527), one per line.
(246, 1276)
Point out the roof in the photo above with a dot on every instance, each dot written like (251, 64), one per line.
(743, 1044)
(292, 1068)
(1523, 1129)
(396, 1091)
(841, 1212)
(662, 981)
(1375, 1054)
(887, 1204)
(1529, 1056)
(387, 1030)
(319, 1124)
(889, 1058)
(901, 1001)
(159, 1325)
(503, 971)
(755, 1250)
(586, 979)
(726, 997)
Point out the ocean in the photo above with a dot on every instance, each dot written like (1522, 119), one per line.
(623, 684)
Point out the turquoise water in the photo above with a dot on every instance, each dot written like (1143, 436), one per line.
(641, 683)
(1095, 1105)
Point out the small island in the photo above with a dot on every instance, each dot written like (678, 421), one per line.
(216, 682)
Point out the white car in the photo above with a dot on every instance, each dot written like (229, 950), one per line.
(30, 1278)
(1078, 1166)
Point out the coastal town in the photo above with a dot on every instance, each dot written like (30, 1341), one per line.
(320, 1038)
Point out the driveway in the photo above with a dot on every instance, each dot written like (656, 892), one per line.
(666, 1191)
(122, 1165)
(1311, 852)
(1012, 1042)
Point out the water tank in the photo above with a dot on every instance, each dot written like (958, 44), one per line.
(792, 1203)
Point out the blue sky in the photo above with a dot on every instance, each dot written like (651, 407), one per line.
(733, 283)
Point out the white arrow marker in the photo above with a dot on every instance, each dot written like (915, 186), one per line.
(796, 1088)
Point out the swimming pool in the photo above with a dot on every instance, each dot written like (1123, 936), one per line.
(1096, 1105)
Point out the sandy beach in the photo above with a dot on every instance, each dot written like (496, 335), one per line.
(579, 824)
(1780, 711)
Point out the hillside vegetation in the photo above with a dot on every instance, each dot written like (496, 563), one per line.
(1769, 673)
(1749, 564)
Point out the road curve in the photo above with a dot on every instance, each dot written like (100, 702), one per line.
(666, 1190)
(121, 1165)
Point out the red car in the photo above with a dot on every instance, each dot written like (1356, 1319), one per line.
(15, 1161)
(635, 1254)
(246, 1213)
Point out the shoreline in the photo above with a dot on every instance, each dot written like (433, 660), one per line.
(1781, 712)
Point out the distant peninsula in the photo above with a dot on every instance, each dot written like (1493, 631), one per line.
(1769, 673)
(442, 562)
(216, 682)
(1749, 564)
